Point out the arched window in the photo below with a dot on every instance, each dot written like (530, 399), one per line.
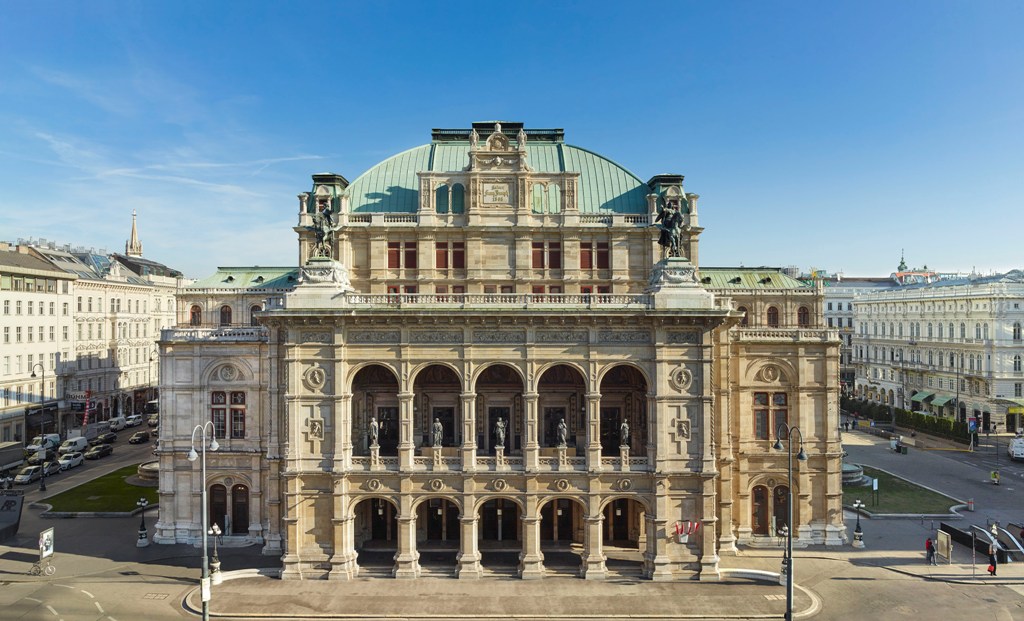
(218, 505)
(252, 315)
(899, 328)
(773, 317)
(803, 316)
(892, 329)
(1016, 331)
(239, 510)
(1016, 363)
(195, 316)
(952, 334)
(963, 330)
(929, 329)
(984, 331)
(441, 199)
(883, 329)
(554, 199)
(977, 331)
(940, 329)
(225, 315)
(743, 309)
(971, 362)
(930, 359)
(458, 198)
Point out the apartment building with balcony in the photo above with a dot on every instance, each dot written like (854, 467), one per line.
(483, 348)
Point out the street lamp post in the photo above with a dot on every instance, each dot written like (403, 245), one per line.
(215, 574)
(192, 456)
(858, 536)
(143, 534)
(42, 414)
(788, 565)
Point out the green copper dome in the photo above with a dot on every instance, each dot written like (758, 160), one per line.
(393, 187)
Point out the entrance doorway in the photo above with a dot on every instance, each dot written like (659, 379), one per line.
(759, 510)
(611, 438)
(780, 508)
(499, 520)
(441, 520)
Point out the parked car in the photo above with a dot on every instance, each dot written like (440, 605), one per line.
(134, 420)
(104, 438)
(139, 437)
(68, 461)
(27, 475)
(154, 420)
(35, 459)
(100, 450)
(51, 468)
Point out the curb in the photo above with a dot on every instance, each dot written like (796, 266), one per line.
(61, 515)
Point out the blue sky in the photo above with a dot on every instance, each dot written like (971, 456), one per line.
(824, 134)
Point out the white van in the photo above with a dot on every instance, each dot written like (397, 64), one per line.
(74, 445)
(118, 423)
(134, 420)
(46, 440)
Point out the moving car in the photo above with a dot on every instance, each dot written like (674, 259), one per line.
(68, 461)
(27, 475)
(134, 420)
(35, 459)
(100, 450)
(1016, 448)
(104, 438)
(73, 445)
(139, 437)
(154, 420)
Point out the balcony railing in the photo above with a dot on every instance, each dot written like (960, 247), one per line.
(237, 333)
(506, 300)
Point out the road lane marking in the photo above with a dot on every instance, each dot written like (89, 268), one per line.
(50, 608)
(98, 607)
(32, 599)
(66, 586)
(87, 593)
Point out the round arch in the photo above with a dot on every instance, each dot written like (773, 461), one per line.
(356, 500)
(479, 371)
(565, 363)
(217, 371)
(419, 368)
(354, 370)
(482, 500)
(643, 502)
(775, 371)
(605, 370)
(452, 498)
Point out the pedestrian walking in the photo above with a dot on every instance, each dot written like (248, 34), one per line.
(992, 560)
(929, 551)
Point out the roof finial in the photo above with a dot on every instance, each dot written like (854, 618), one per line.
(903, 264)
(133, 247)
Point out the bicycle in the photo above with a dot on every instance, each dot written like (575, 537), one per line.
(42, 567)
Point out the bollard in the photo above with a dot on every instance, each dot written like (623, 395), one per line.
(970, 504)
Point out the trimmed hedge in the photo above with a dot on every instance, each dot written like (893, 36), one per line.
(931, 425)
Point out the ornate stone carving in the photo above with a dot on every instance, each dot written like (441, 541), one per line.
(680, 379)
(436, 336)
(499, 336)
(562, 485)
(314, 378)
(624, 485)
(499, 485)
(683, 337)
(325, 271)
(769, 374)
(671, 273)
(227, 373)
(314, 337)
(374, 485)
(561, 336)
(436, 485)
(374, 336)
(624, 336)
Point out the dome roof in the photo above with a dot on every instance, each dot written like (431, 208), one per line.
(392, 186)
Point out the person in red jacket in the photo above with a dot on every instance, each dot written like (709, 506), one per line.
(929, 551)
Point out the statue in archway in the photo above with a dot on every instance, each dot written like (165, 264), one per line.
(438, 433)
(499, 433)
(374, 431)
(562, 432)
(624, 434)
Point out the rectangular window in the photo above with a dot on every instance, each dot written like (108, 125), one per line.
(65, 313)
(17, 307)
(770, 411)
(53, 306)
(237, 414)
(7, 307)
(547, 255)
(1017, 390)
(79, 303)
(401, 255)
(450, 255)
(218, 413)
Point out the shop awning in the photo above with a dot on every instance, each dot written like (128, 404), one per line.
(941, 400)
(921, 396)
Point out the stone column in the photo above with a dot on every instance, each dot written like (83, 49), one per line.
(531, 427)
(593, 401)
(343, 563)
(468, 431)
(657, 565)
(343, 432)
(708, 553)
(592, 566)
(407, 559)
(531, 560)
(406, 424)
(469, 554)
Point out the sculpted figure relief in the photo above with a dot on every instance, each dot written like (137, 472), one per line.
(624, 434)
(563, 432)
(672, 228)
(324, 228)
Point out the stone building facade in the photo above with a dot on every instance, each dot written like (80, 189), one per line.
(483, 348)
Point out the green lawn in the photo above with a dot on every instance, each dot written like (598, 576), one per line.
(107, 493)
(896, 495)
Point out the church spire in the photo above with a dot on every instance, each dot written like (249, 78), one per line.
(133, 247)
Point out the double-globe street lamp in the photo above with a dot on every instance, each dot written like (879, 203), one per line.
(858, 535)
(192, 456)
(786, 431)
(42, 414)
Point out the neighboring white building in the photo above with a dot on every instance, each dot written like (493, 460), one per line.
(951, 347)
(35, 320)
(840, 295)
(118, 305)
